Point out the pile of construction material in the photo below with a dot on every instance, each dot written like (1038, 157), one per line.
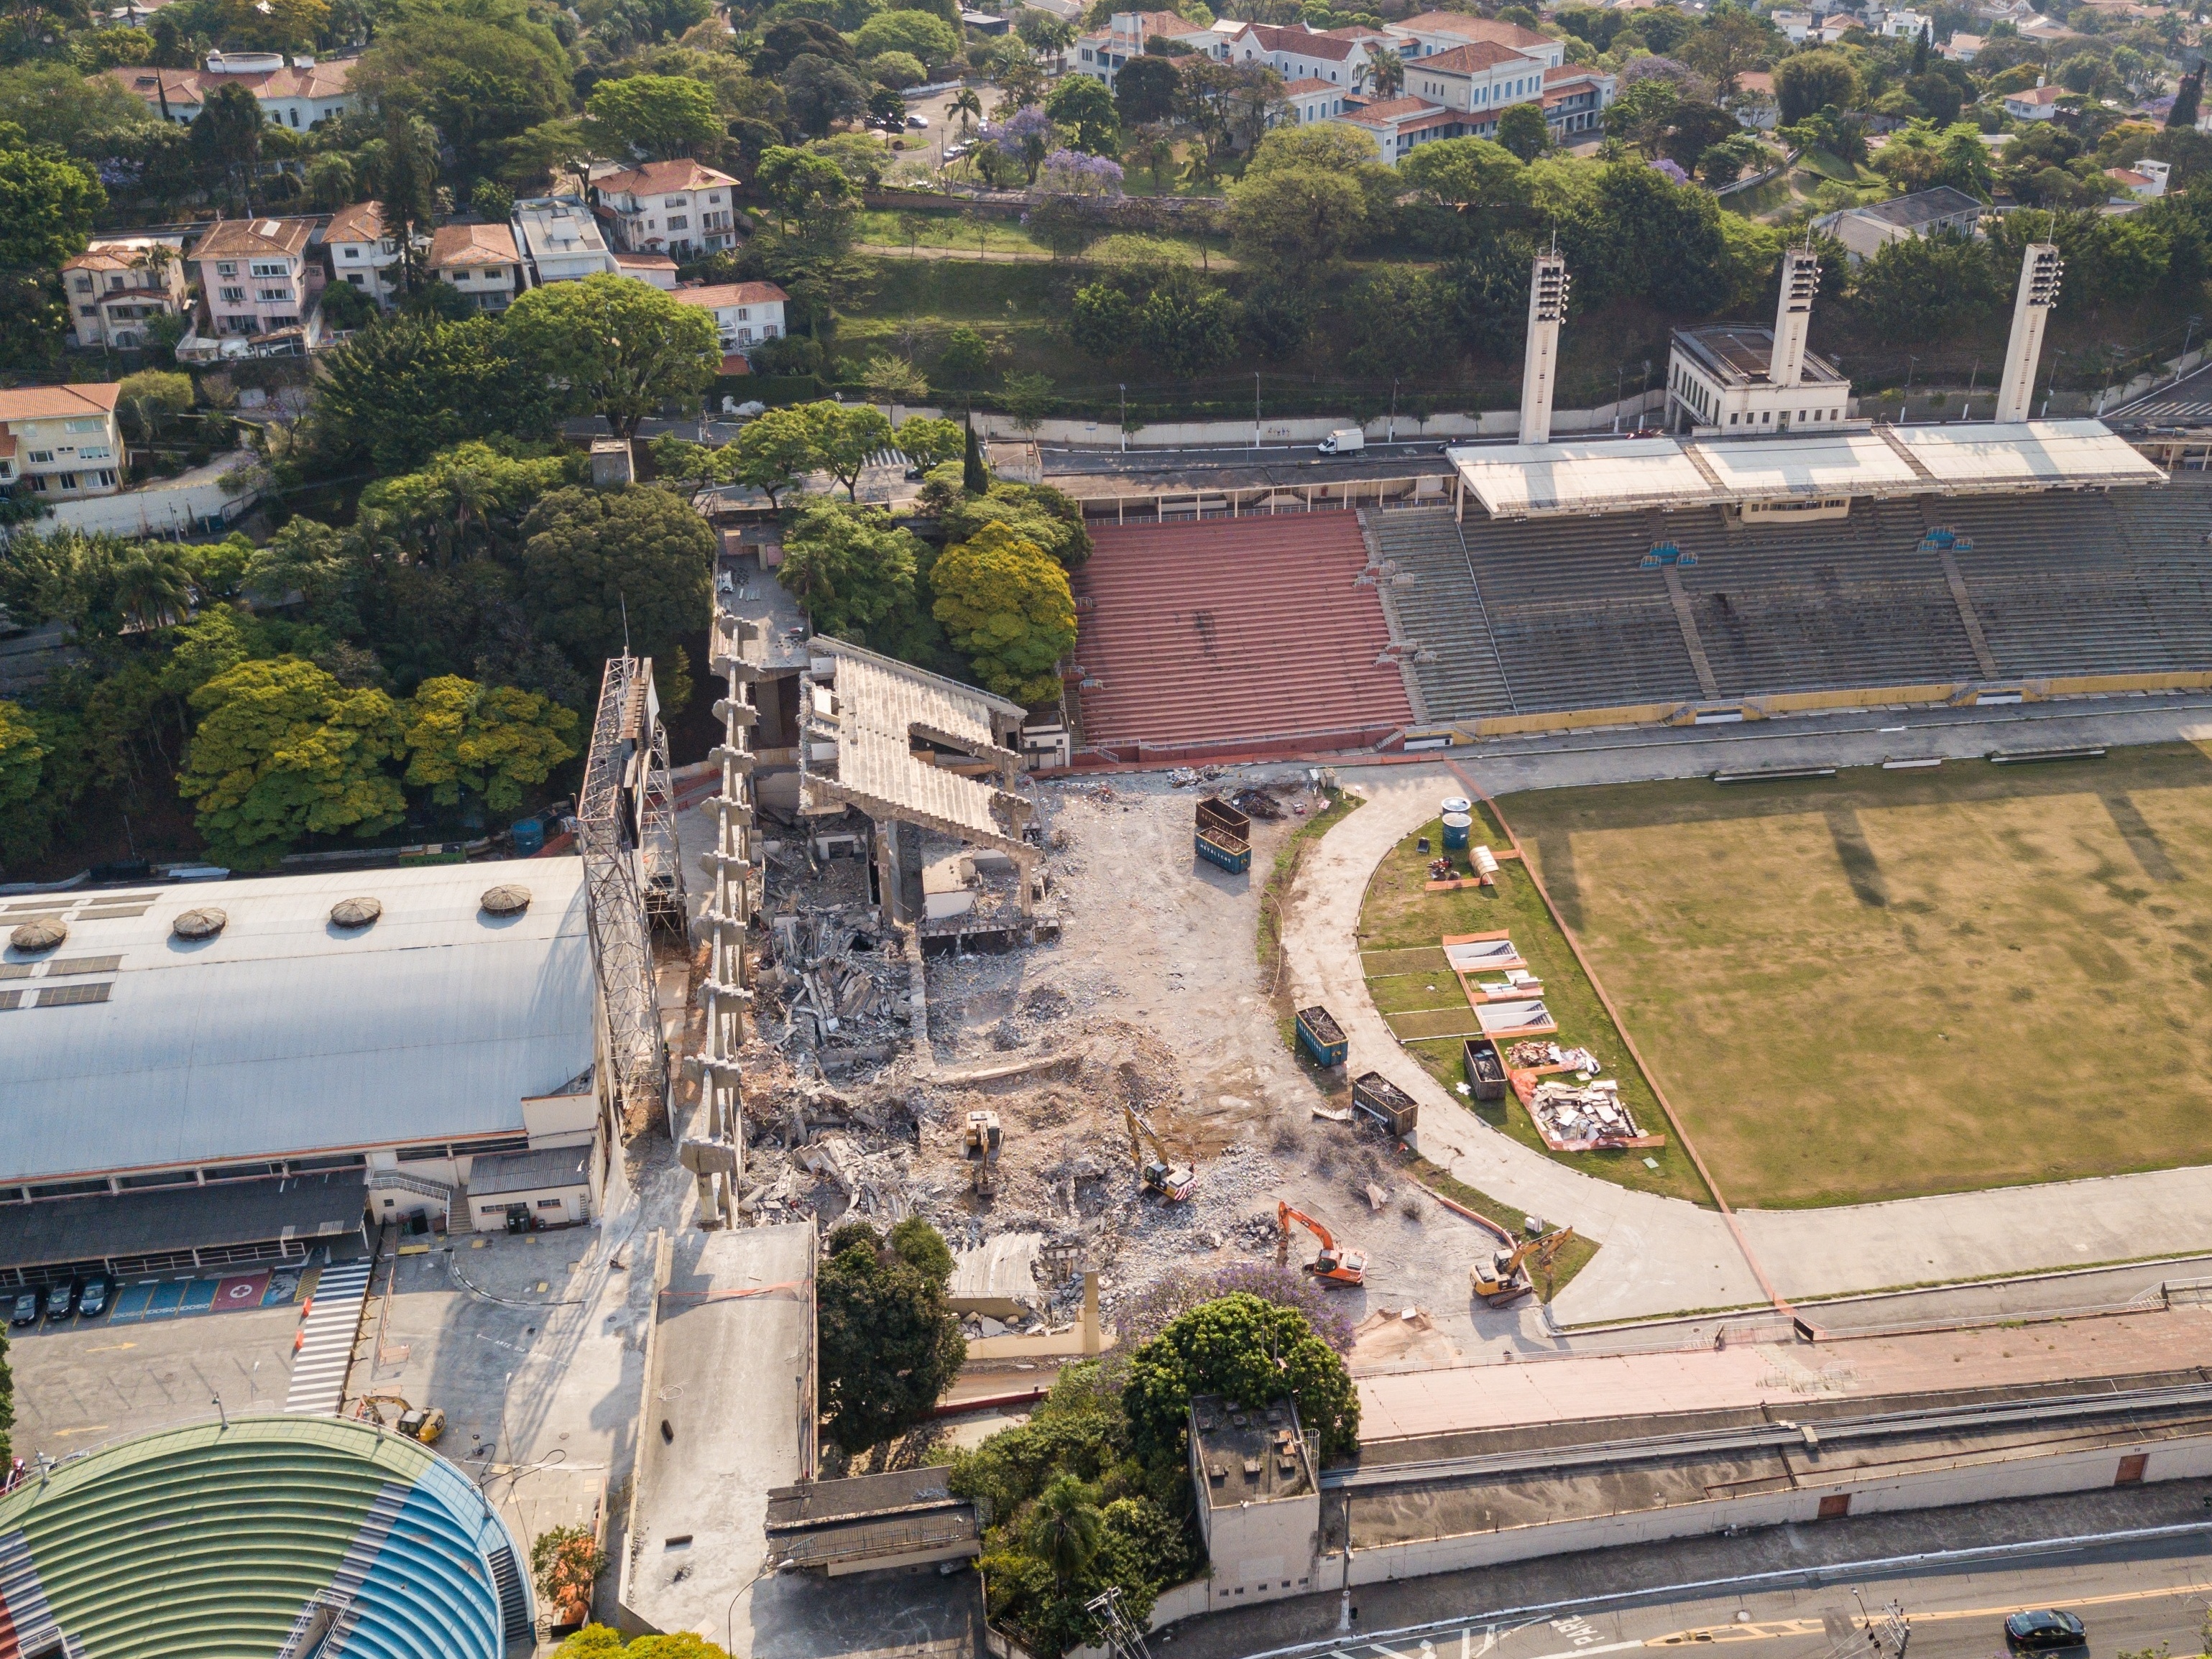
(835, 985)
(1585, 1117)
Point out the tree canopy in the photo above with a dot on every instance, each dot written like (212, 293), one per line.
(889, 1343)
(622, 347)
(600, 564)
(1004, 603)
(400, 390)
(1251, 1353)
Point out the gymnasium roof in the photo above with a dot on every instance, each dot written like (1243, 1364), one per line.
(1593, 476)
(285, 1034)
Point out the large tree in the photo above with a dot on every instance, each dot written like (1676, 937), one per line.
(847, 436)
(657, 116)
(1250, 1353)
(480, 74)
(623, 347)
(1004, 603)
(599, 564)
(490, 740)
(1087, 108)
(47, 205)
(284, 751)
(1806, 82)
(854, 570)
(889, 1344)
(401, 391)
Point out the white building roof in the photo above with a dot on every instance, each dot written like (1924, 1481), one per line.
(1518, 481)
(285, 1035)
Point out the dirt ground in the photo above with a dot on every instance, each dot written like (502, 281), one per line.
(1894, 984)
(1154, 992)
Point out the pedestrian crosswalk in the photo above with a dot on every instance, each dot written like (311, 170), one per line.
(889, 457)
(2168, 413)
(325, 1351)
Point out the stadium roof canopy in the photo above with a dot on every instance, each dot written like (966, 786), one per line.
(1518, 481)
(285, 1033)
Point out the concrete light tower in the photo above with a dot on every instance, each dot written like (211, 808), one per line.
(1548, 307)
(2040, 268)
(1801, 281)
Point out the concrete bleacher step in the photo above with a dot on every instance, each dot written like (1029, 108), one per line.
(1441, 609)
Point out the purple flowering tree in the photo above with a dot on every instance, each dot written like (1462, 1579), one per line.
(1073, 172)
(1675, 174)
(1025, 136)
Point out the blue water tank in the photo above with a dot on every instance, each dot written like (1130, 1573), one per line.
(1456, 825)
(529, 836)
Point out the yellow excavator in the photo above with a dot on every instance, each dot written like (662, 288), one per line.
(1504, 1280)
(980, 1148)
(1160, 1173)
(391, 1411)
(1332, 1266)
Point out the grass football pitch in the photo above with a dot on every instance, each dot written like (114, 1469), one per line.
(1885, 984)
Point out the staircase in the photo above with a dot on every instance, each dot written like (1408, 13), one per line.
(514, 1617)
(325, 1352)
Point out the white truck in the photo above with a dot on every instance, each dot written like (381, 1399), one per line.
(1344, 441)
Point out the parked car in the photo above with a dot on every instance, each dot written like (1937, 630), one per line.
(2044, 1629)
(93, 1302)
(24, 1310)
(919, 123)
(61, 1299)
(953, 152)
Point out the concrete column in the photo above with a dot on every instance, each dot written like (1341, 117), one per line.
(1801, 281)
(2040, 268)
(1548, 309)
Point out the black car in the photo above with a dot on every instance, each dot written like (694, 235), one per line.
(61, 1299)
(24, 1309)
(92, 1302)
(2044, 1630)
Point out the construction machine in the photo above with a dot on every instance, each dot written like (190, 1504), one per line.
(981, 1150)
(1332, 1266)
(1160, 1173)
(1505, 1278)
(392, 1411)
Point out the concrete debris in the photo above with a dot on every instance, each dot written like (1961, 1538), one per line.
(1376, 1198)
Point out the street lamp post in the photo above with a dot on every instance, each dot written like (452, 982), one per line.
(1125, 415)
(1256, 409)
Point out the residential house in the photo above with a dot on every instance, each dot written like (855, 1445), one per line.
(297, 95)
(1309, 99)
(1574, 100)
(1963, 48)
(1101, 53)
(1904, 25)
(478, 260)
(2046, 30)
(119, 282)
(559, 240)
(61, 440)
(745, 314)
(1794, 26)
(364, 253)
(257, 282)
(1754, 105)
(2145, 181)
(679, 208)
(1865, 231)
(1297, 53)
(1433, 32)
(2036, 103)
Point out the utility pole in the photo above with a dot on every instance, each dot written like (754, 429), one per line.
(1125, 416)
(1256, 409)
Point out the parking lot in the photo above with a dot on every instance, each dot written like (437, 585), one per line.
(165, 1353)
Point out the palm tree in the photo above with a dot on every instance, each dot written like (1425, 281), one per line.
(1065, 1527)
(968, 107)
(152, 588)
(1386, 73)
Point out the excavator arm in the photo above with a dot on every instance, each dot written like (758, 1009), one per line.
(1285, 1215)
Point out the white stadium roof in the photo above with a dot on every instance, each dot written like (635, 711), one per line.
(285, 1035)
(1516, 481)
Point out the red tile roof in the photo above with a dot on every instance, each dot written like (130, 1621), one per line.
(1300, 41)
(194, 87)
(660, 177)
(1469, 59)
(1473, 28)
(1233, 632)
(1392, 109)
(361, 222)
(473, 244)
(1309, 83)
(253, 239)
(732, 293)
(53, 403)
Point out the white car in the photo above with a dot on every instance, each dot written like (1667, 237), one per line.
(919, 122)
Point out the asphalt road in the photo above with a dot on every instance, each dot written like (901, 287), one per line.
(1795, 1592)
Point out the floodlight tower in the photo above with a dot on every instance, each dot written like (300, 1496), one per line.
(1548, 307)
(1801, 281)
(2040, 268)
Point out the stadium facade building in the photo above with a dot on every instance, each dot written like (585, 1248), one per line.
(207, 1074)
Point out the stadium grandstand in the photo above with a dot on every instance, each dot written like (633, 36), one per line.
(284, 1535)
(1658, 580)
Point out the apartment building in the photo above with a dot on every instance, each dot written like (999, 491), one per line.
(559, 240)
(117, 284)
(677, 208)
(745, 314)
(255, 277)
(61, 441)
(1102, 54)
(1340, 57)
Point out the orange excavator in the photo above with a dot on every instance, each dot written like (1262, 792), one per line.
(1332, 1266)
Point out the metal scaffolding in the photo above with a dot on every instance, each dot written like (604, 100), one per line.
(715, 1151)
(626, 832)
